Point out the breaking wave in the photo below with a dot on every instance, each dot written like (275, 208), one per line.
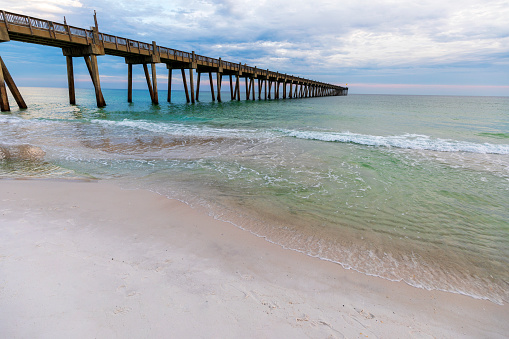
(408, 141)
(181, 129)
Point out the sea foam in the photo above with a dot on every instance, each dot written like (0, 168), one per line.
(408, 141)
(179, 129)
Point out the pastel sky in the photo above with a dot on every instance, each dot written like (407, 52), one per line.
(458, 47)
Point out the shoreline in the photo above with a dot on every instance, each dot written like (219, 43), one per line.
(88, 257)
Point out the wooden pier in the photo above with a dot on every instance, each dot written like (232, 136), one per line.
(79, 42)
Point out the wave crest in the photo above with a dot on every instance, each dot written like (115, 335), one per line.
(408, 141)
(179, 129)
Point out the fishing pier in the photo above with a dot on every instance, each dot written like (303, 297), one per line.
(90, 43)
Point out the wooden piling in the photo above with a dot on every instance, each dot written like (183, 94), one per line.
(91, 61)
(191, 81)
(185, 84)
(260, 83)
(247, 88)
(129, 82)
(212, 87)
(252, 88)
(155, 100)
(170, 71)
(4, 100)
(237, 87)
(219, 79)
(198, 87)
(70, 81)
(231, 88)
(235, 90)
(7, 79)
(149, 84)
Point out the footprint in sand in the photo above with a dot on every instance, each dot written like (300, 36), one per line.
(121, 310)
(365, 314)
(123, 289)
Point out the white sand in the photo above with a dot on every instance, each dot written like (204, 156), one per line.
(89, 260)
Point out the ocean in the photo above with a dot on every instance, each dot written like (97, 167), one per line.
(407, 188)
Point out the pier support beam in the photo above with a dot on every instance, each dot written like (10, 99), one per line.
(198, 87)
(212, 87)
(5, 78)
(252, 83)
(144, 60)
(247, 88)
(89, 53)
(237, 87)
(170, 71)
(231, 88)
(149, 85)
(191, 82)
(93, 69)
(4, 100)
(70, 81)
(185, 84)
(129, 82)
(219, 80)
(155, 99)
(260, 84)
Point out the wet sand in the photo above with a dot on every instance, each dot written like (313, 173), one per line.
(87, 259)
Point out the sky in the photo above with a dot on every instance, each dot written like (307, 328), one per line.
(454, 47)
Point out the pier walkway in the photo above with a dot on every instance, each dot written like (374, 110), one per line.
(79, 42)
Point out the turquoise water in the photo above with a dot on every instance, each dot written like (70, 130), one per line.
(411, 188)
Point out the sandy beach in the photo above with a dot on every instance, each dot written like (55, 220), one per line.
(90, 260)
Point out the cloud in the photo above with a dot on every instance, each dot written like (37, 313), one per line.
(305, 37)
(50, 9)
(350, 33)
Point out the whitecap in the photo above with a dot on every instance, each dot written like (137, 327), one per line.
(407, 141)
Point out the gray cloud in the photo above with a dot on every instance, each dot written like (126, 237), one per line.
(306, 37)
(353, 33)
